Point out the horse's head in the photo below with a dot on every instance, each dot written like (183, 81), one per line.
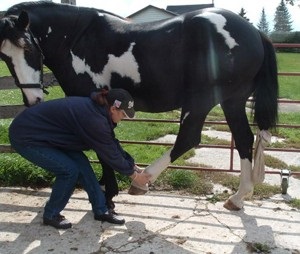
(23, 56)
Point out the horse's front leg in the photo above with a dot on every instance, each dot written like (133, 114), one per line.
(189, 136)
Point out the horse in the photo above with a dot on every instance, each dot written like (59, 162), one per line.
(191, 62)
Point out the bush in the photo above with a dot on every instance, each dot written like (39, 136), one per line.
(16, 171)
(279, 37)
(181, 179)
(286, 37)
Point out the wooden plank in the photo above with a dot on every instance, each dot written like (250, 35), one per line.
(8, 82)
(6, 149)
(9, 111)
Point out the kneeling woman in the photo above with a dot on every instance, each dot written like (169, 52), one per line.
(54, 134)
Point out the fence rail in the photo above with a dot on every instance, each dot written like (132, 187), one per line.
(10, 111)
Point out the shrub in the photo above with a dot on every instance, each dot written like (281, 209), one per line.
(181, 179)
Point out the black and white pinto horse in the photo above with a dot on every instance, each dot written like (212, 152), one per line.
(193, 61)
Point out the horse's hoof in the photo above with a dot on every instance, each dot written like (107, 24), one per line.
(133, 190)
(229, 205)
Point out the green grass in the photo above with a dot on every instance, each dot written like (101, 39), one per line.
(289, 86)
(295, 203)
(3, 69)
(288, 62)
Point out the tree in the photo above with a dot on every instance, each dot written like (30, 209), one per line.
(282, 19)
(263, 24)
(242, 13)
(292, 2)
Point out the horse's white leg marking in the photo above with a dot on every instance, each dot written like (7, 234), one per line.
(155, 169)
(25, 73)
(246, 184)
(219, 21)
(125, 65)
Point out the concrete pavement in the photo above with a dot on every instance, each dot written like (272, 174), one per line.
(158, 222)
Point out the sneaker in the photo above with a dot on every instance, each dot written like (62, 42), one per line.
(109, 217)
(58, 221)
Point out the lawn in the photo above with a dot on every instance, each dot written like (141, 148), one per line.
(289, 85)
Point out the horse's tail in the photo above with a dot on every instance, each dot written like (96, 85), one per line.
(266, 91)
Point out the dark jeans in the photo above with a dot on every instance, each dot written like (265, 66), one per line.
(69, 167)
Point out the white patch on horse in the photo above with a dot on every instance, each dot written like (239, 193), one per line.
(157, 167)
(185, 116)
(100, 14)
(246, 184)
(49, 30)
(219, 21)
(25, 73)
(125, 66)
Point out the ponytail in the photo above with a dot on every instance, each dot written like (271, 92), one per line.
(100, 97)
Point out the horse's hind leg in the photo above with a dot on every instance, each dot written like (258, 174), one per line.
(237, 120)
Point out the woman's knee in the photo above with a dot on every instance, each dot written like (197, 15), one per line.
(53, 160)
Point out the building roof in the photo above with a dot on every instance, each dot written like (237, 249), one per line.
(180, 9)
(150, 7)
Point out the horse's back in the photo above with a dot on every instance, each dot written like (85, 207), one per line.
(229, 48)
(221, 26)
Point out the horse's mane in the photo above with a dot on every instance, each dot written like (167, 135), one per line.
(27, 5)
(14, 38)
(23, 5)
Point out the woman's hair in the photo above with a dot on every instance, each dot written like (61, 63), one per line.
(117, 97)
(100, 97)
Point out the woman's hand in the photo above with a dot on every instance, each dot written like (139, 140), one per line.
(138, 169)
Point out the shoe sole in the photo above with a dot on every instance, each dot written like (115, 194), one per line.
(58, 227)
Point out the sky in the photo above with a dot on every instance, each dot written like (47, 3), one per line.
(125, 8)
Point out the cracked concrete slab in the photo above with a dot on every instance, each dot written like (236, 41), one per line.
(158, 222)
